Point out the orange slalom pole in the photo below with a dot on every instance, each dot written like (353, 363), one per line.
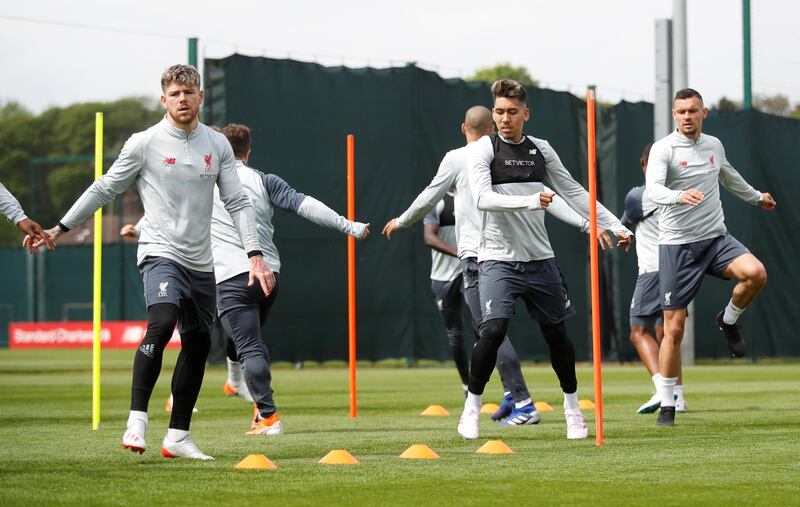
(593, 259)
(351, 274)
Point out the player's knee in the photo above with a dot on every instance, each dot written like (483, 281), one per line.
(756, 274)
(673, 329)
(636, 334)
(455, 338)
(554, 334)
(161, 320)
(197, 343)
(493, 330)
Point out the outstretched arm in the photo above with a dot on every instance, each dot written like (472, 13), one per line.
(317, 212)
(10, 207)
(561, 210)
(432, 239)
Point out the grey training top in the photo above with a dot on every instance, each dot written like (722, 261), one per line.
(9, 206)
(512, 219)
(678, 163)
(643, 214)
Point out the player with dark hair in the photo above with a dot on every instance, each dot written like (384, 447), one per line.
(177, 166)
(646, 317)
(683, 176)
(507, 172)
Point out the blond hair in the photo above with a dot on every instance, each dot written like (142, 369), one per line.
(184, 74)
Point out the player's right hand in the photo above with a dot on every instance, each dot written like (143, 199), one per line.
(48, 237)
(692, 197)
(128, 231)
(34, 231)
(545, 198)
(389, 228)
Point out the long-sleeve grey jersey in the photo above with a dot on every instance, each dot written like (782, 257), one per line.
(266, 192)
(452, 173)
(9, 206)
(512, 220)
(678, 163)
(175, 173)
(644, 215)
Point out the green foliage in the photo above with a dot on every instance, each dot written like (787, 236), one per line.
(738, 444)
(504, 70)
(58, 132)
(726, 104)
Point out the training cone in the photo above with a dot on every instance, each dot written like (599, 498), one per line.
(419, 451)
(586, 404)
(543, 406)
(338, 457)
(495, 447)
(489, 408)
(256, 461)
(435, 410)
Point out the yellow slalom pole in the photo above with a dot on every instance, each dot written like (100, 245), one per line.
(97, 305)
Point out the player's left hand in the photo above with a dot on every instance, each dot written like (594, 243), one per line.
(625, 239)
(390, 227)
(33, 243)
(604, 239)
(36, 233)
(767, 202)
(261, 272)
(128, 231)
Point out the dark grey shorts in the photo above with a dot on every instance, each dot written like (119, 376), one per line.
(681, 267)
(646, 302)
(540, 284)
(449, 299)
(470, 272)
(193, 292)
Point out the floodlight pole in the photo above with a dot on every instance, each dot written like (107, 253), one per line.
(748, 97)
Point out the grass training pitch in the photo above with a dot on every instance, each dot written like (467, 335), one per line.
(739, 444)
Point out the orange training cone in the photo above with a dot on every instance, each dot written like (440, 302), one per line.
(435, 410)
(338, 457)
(489, 408)
(586, 404)
(543, 406)
(256, 461)
(495, 447)
(419, 451)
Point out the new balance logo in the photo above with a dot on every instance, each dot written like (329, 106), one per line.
(532, 152)
(667, 298)
(148, 349)
(162, 289)
(488, 308)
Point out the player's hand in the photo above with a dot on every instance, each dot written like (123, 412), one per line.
(33, 244)
(692, 197)
(128, 231)
(390, 227)
(545, 198)
(364, 233)
(35, 232)
(767, 202)
(604, 239)
(625, 239)
(261, 272)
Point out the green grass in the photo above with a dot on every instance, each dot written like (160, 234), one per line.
(740, 444)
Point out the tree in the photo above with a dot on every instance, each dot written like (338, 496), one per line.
(773, 104)
(504, 70)
(726, 104)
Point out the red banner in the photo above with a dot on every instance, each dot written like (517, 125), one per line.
(125, 334)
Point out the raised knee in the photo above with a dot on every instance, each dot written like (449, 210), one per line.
(758, 275)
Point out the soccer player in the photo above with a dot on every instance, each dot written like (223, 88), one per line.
(10, 208)
(242, 309)
(517, 404)
(646, 317)
(683, 176)
(176, 165)
(507, 171)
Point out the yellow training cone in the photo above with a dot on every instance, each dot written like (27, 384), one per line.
(419, 451)
(435, 410)
(338, 457)
(586, 404)
(543, 406)
(489, 408)
(256, 461)
(495, 447)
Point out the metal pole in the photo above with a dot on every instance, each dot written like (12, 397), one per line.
(193, 51)
(662, 114)
(680, 66)
(748, 90)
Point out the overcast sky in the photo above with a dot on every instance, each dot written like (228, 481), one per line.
(55, 52)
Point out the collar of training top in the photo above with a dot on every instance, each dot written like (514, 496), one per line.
(178, 132)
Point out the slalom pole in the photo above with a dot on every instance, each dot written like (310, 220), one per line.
(97, 301)
(351, 274)
(593, 260)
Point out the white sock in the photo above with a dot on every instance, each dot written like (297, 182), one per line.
(136, 415)
(473, 400)
(571, 401)
(520, 404)
(234, 373)
(464, 387)
(176, 435)
(657, 380)
(679, 391)
(732, 313)
(667, 391)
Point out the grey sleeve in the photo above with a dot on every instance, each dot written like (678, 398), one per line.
(234, 199)
(10, 207)
(433, 193)
(657, 165)
(733, 181)
(317, 212)
(481, 155)
(106, 188)
(138, 226)
(432, 217)
(561, 210)
(281, 195)
(571, 191)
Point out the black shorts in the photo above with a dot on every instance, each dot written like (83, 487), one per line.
(645, 308)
